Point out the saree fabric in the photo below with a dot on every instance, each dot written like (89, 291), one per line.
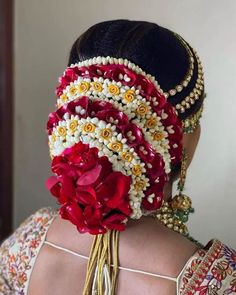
(211, 271)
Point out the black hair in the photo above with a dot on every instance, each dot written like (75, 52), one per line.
(153, 48)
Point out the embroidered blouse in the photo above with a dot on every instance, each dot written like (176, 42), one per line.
(209, 271)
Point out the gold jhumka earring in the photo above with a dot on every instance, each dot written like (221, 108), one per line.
(174, 214)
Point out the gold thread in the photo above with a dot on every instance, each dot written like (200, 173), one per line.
(104, 253)
(196, 92)
(191, 123)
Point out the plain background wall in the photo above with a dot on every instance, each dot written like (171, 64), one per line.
(44, 33)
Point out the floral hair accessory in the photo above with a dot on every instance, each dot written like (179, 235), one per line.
(112, 140)
(92, 196)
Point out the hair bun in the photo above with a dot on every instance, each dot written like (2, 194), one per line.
(112, 141)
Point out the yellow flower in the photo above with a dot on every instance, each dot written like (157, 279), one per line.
(113, 89)
(106, 133)
(73, 90)
(54, 137)
(151, 123)
(139, 185)
(97, 86)
(84, 86)
(129, 95)
(89, 127)
(61, 130)
(158, 136)
(115, 146)
(142, 109)
(136, 170)
(126, 156)
(73, 125)
(64, 97)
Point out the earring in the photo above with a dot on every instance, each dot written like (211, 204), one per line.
(174, 214)
(181, 203)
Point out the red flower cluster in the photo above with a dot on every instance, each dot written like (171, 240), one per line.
(92, 195)
(147, 90)
(111, 72)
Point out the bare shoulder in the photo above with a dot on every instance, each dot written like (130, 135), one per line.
(150, 240)
(153, 246)
(146, 246)
(63, 270)
(64, 233)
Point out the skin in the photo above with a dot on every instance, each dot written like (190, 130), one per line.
(145, 245)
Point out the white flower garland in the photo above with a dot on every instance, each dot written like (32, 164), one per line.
(111, 144)
(129, 101)
(101, 60)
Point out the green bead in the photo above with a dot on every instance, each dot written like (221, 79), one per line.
(182, 216)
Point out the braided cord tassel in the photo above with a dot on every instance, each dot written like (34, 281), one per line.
(102, 269)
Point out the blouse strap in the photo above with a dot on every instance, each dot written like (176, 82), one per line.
(120, 267)
(66, 250)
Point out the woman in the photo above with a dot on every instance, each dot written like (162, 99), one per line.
(118, 140)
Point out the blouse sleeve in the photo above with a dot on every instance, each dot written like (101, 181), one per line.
(19, 251)
(5, 288)
(216, 272)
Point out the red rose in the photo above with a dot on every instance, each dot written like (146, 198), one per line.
(82, 101)
(69, 108)
(153, 197)
(96, 70)
(99, 105)
(59, 91)
(113, 73)
(133, 134)
(86, 196)
(106, 168)
(73, 213)
(64, 81)
(93, 220)
(60, 166)
(161, 100)
(71, 74)
(82, 156)
(157, 167)
(147, 85)
(115, 221)
(145, 152)
(107, 115)
(115, 187)
(93, 197)
(78, 70)
(53, 120)
(62, 188)
(175, 133)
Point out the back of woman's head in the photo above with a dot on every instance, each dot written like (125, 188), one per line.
(129, 93)
(157, 50)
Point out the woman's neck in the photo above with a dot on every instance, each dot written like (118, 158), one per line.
(168, 191)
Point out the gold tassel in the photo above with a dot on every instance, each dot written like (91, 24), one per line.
(102, 268)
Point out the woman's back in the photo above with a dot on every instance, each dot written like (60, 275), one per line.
(28, 265)
(145, 245)
(118, 142)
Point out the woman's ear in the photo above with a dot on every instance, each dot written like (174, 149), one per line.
(190, 142)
